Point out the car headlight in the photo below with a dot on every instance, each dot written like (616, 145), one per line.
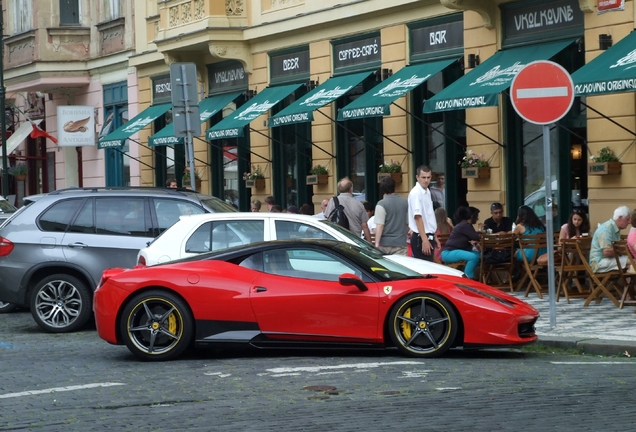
(504, 302)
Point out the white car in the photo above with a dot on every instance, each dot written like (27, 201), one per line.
(196, 234)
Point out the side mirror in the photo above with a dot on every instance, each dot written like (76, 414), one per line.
(348, 279)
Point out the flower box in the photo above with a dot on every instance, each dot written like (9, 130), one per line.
(314, 179)
(256, 183)
(604, 168)
(397, 176)
(476, 172)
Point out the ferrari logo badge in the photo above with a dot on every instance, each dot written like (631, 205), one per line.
(388, 289)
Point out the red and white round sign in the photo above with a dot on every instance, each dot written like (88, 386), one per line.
(542, 92)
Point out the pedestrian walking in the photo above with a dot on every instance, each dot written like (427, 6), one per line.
(391, 218)
(353, 209)
(422, 217)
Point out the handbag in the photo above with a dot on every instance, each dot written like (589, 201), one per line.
(497, 256)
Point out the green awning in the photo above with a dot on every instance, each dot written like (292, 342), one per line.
(611, 72)
(302, 110)
(377, 101)
(232, 126)
(118, 137)
(207, 108)
(481, 86)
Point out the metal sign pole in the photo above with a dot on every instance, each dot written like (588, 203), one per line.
(548, 223)
(188, 138)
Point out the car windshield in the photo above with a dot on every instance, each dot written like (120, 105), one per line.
(373, 261)
(5, 207)
(216, 205)
(360, 242)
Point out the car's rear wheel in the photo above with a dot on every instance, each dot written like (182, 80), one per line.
(7, 307)
(423, 325)
(61, 303)
(156, 325)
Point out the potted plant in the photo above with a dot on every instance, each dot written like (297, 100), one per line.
(255, 178)
(474, 165)
(185, 180)
(19, 171)
(318, 175)
(391, 168)
(606, 163)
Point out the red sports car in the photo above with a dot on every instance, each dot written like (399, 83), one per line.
(303, 293)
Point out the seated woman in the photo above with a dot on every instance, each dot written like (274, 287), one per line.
(459, 246)
(528, 223)
(578, 225)
(444, 226)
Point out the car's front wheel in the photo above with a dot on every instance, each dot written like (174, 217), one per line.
(156, 325)
(7, 307)
(61, 303)
(423, 325)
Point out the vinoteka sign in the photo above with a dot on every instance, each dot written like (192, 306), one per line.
(542, 18)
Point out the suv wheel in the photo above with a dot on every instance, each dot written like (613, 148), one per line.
(61, 303)
(7, 307)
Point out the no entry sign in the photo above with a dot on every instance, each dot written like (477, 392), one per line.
(542, 92)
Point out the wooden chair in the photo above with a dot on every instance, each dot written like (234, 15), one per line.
(498, 275)
(601, 283)
(459, 265)
(534, 243)
(628, 279)
(572, 270)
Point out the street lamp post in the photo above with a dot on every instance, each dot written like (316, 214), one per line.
(3, 115)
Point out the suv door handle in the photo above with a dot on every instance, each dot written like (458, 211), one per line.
(77, 245)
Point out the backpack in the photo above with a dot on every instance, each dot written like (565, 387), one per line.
(338, 215)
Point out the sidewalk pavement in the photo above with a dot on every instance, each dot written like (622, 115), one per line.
(601, 329)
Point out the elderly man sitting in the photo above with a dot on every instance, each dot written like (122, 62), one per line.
(601, 253)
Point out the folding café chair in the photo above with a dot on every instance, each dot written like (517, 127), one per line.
(572, 269)
(600, 282)
(459, 265)
(535, 243)
(628, 279)
(497, 274)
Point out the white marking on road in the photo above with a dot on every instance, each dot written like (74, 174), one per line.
(330, 373)
(541, 92)
(285, 374)
(343, 366)
(596, 363)
(415, 374)
(448, 388)
(219, 374)
(58, 389)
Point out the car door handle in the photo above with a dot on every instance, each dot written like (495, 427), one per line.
(77, 245)
(260, 289)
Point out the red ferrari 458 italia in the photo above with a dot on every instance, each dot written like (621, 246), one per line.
(303, 293)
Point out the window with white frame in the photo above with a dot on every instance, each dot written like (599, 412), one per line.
(111, 9)
(22, 15)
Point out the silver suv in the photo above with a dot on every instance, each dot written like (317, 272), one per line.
(54, 249)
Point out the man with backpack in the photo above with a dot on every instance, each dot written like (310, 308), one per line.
(354, 213)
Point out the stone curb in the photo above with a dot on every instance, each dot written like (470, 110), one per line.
(590, 345)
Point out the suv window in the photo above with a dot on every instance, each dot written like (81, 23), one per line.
(218, 235)
(116, 216)
(84, 222)
(169, 210)
(58, 216)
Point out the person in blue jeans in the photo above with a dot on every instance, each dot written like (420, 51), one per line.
(528, 223)
(459, 246)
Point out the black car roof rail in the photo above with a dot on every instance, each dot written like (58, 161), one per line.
(120, 188)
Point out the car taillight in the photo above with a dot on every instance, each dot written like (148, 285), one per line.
(141, 261)
(6, 246)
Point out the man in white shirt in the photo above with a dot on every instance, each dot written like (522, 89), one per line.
(422, 216)
(323, 207)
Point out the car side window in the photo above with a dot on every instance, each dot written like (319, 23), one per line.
(58, 216)
(116, 216)
(292, 230)
(85, 221)
(253, 262)
(169, 210)
(306, 264)
(218, 235)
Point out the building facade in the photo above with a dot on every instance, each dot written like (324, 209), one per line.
(286, 87)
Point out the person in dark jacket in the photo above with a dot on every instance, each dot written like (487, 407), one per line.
(459, 246)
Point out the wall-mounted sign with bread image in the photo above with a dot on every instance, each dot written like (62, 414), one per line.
(76, 125)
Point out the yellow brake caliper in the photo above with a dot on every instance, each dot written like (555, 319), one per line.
(172, 323)
(406, 327)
